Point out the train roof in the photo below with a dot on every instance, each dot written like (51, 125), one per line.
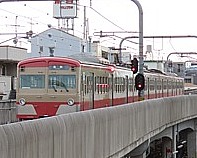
(75, 59)
(89, 58)
(41, 61)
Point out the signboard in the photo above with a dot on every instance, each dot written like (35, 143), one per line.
(65, 9)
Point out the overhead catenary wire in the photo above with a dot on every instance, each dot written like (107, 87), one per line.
(19, 15)
(30, 18)
(107, 19)
(104, 17)
(41, 22)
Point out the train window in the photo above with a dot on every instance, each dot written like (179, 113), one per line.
(188, 80)
(148, 87)
(123, 85)
(101, 82)
(85, 84)
(32, 81)
(145, 88)
(62, 81)
(95, 83)
(170, 87)
(173, 87)
(130, 84)
(98, 83)
(106, 84)
(182, 84)
(110, 83)
(164, 84)
(176, 84)
(119, 84)
(179, 84)
(89, 84)
(82, 88)
(158, 84)
(116, 84)
(155, 85)
(152, 84)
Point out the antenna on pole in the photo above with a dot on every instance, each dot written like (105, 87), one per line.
(15, 41)
(90, 3)
(84, 24)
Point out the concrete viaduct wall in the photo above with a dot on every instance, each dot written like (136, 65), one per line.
(100, 133)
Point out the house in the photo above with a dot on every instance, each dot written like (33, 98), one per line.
(56, 42)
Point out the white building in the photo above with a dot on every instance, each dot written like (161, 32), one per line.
(56, 42)
(9, 58)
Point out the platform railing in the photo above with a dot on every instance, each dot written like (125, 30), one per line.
(8, 111)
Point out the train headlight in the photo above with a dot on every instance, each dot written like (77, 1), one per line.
(70, 102)
(22, 101)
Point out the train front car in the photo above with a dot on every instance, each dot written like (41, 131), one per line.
(47, 86)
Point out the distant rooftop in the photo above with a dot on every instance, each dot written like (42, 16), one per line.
(88, 57)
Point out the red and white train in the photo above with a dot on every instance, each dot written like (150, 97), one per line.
(49, 86)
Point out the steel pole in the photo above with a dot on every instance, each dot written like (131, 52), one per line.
(141, 57)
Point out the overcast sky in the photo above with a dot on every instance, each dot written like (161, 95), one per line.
(161, 17)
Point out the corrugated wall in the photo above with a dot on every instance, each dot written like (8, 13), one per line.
(100, 133)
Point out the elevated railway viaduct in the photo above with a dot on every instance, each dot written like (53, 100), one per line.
(120, 131)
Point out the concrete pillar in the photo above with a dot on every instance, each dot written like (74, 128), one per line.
(167, 147)
(191, 144)
(174, 140)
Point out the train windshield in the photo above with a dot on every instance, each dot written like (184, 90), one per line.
(62, 81)
(32, 81)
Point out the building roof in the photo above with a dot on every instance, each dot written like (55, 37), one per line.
(54, 29)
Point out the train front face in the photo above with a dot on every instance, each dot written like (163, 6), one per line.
(47, 88)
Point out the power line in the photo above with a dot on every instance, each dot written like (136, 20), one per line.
(106, 19)
(102, 16)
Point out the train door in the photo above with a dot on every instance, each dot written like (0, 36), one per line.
(87, 90)
(92, 89)
(155, 88)
(148, 88)
(127, 88)
(167, 86)
(176, 84)
(162, 88)
(82, 91)
(111, 90)
(90, 86)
